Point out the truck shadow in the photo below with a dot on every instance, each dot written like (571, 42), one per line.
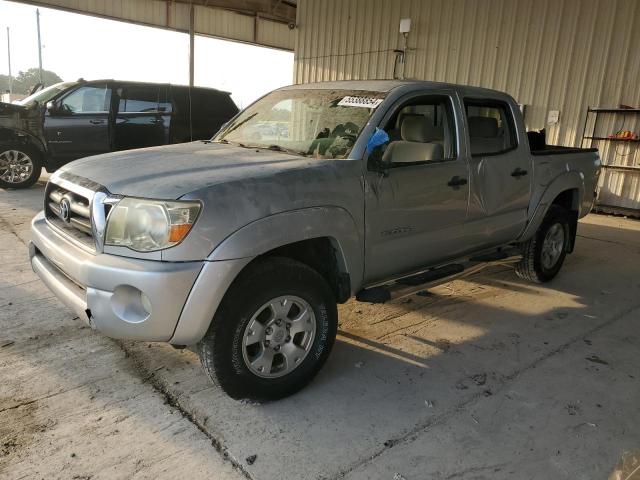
(398, 368)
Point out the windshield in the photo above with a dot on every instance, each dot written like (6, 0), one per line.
(314, 123)
(46, 94)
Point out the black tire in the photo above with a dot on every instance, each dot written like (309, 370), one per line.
(532, 267)
(32, 154)
(221, 349)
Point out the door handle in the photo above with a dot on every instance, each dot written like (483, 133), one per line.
(518, 172)
(456, 182)
(96, 122)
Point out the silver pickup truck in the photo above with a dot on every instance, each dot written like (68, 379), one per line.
(244, 244)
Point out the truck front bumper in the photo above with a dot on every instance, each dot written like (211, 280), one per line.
(130, 298)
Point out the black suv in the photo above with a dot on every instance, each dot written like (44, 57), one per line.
(71, 120)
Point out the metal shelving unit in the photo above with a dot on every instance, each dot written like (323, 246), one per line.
(596, 111)
(626, 170)
(613, 139)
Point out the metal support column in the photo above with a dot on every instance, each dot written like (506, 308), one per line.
(191, 43)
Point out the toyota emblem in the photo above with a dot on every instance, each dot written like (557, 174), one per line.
(65, 210)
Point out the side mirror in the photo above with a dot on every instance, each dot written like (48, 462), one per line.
(51, 107)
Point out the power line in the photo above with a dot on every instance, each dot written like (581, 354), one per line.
(387, 50)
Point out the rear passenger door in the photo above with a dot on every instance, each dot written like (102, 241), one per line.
(143, 116)
(501, 174)
(416, 209)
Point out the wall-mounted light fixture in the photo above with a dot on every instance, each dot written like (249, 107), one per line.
(405, 28)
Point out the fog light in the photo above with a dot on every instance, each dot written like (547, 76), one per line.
(146, 303)
(130, 304)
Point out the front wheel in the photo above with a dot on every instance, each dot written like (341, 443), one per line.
(20, 166)
(272, 332)
(544, 254)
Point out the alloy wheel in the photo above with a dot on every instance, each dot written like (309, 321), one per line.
(552, 246)
(279, 336)
(15, 166)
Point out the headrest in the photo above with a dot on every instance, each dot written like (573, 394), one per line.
(483, 127)
(418, 128)
(400, 119)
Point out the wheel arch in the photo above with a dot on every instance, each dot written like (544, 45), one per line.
(325, 238)
(325, 256)
(566, 190)
(9, 135)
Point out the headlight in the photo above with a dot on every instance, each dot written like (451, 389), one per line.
(148, 225)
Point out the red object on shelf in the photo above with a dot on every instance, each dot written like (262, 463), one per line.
(624, 134)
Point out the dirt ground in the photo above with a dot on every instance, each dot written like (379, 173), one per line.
(483, 378)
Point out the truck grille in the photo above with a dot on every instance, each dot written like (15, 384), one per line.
(70, 212)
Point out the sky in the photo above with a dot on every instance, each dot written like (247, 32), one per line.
(79, 46)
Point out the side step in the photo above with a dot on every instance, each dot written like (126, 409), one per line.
(411, 284)
(432, 275)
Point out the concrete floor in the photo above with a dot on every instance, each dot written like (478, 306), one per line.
(484, 378)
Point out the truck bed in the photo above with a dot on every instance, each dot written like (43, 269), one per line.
(557, 149)
(552, 162)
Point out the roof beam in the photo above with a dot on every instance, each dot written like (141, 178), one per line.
(276, 10)
(227, 19)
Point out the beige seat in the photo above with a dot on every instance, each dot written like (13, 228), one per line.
(485, 135)
(418, 144)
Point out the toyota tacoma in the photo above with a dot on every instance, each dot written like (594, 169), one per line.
(243, 245)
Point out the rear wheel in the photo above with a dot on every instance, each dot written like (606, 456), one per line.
(20, 166)
(272, 332)
(544, 254)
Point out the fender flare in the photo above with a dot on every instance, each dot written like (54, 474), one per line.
(268, 233)
(567, 181)
(27, 138)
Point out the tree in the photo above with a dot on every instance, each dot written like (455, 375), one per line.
(25, 81)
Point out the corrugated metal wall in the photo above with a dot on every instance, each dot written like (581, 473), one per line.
(549, 54)
(209, 21)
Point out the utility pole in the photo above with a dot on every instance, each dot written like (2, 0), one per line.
(9, 58)
(39, 46)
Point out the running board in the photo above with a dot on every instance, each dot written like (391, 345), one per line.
(414, 283)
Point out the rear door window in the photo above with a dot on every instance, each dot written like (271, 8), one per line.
(490, 126)
(143, 99)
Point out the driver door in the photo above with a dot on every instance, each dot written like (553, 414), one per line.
(79, 125)
(416, 209)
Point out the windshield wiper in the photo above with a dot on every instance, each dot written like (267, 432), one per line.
(279, 148)
(224, 141)
(238, 125)
(275, 148)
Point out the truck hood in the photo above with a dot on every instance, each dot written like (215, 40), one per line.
(171, 171)
(26, 121)
(9, 109)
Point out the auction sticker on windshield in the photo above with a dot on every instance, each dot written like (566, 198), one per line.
(366, 102)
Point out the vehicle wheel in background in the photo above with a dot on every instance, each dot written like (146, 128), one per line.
(544, 253)
(20, 165)
(272, 332)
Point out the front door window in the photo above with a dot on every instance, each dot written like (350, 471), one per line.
(87, 99)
